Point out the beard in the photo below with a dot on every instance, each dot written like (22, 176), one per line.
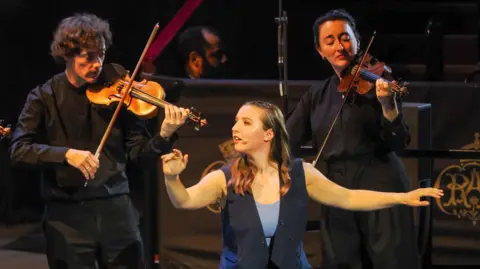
(210, 71)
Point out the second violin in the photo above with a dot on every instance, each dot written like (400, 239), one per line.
(364, 71)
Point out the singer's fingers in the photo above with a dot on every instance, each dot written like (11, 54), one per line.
(178, 154)
(172, 157)
(185, 159)
(423, 203)
(167, 157)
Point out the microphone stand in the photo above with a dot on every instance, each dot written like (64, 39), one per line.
(282, 21)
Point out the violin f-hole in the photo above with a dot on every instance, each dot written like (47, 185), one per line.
(117, 95)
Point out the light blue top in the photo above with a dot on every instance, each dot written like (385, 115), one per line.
(268, 214)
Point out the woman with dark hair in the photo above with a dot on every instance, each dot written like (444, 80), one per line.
(358, 154)
(264, 193)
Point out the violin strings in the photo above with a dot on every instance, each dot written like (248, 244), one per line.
(157, 101)
(373, 77)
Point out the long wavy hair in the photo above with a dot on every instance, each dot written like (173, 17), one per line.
(79, 31)
(244, 170)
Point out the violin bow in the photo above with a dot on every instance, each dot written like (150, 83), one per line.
(357, 72)
(126, 93)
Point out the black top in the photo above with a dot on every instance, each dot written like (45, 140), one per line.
(360, 129)
(58, 116)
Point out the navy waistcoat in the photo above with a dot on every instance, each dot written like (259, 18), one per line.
(244, 243)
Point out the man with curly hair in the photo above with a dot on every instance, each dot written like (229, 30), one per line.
(86, 225)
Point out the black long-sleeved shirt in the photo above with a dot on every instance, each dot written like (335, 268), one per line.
(360, 129)
(57, 116)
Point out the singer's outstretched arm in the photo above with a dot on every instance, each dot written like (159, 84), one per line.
(324, 191)
(211, 188)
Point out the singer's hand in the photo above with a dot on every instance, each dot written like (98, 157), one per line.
(174, 163)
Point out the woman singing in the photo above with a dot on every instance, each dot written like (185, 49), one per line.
(264, 193)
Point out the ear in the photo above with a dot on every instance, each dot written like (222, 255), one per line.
(195, 59)
(320, 52)
(268, 135)
(67, 59)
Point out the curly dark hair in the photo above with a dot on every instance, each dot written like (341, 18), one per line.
(79, 31)
(335, 14)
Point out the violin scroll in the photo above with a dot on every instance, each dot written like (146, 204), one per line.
(196, 118)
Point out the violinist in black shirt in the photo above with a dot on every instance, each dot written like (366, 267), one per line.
(359, 154)
(93, 225)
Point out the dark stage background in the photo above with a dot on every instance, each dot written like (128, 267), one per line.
(436, 61)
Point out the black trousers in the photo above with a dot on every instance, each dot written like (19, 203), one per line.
(381, 239)
(100, 233)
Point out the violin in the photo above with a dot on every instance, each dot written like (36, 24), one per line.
(143, 99)
(371, 70)
(363, 72)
